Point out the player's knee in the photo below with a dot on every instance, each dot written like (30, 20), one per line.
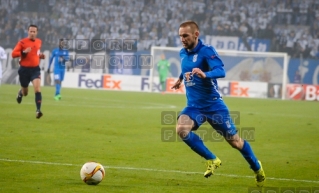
(182, 130)
(179, 128)
(234, 145)
(184, 126)
(37, 89)
(24, 92)
(235, 141)
(237, 144)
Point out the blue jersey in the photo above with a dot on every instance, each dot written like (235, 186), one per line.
(202, 93)
(60, 56)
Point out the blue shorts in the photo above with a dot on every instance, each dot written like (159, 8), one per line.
(219, 119)
(59, 75)
(28, 74)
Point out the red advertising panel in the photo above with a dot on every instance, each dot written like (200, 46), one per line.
(303, 92)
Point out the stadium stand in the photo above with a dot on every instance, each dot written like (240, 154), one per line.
(291, 25)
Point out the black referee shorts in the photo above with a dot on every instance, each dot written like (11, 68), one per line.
(28, 74)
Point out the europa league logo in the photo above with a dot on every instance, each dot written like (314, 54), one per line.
(274, 90)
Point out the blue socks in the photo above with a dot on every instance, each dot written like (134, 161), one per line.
(197, 145)
(250, 157)
(57, 89)
(38, 100)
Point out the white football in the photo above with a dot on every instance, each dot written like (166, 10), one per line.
(92, 173)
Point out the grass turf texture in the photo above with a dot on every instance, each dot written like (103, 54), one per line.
(122, 131)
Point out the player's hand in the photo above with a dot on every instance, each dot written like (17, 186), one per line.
(177, 84)
(27, 50)
(42, 56)
(48, 71)
(199, 73)
(61, 59)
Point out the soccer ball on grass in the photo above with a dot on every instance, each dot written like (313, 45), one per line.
(92, 173)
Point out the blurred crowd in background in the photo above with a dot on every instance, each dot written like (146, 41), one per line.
(292, 26)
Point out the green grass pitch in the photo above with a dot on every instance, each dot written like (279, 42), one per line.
(123, 131)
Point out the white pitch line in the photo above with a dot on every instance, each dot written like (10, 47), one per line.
(156, 170)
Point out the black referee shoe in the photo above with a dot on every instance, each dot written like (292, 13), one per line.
(19, 98)
(39, 114)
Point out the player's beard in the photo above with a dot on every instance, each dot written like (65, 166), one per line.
(189, 46)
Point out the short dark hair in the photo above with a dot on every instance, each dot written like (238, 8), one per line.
(192, 24)
(32, 25)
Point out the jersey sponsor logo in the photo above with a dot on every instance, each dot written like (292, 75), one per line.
(195, 57)
(188, 78)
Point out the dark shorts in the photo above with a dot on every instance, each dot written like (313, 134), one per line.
(28, 74)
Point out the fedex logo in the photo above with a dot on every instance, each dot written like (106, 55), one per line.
(105, 82)
(145, 85)
(170, 82)
(234, 89)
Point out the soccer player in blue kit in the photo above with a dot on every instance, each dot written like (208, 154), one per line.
(60, 56)
(201, 66)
